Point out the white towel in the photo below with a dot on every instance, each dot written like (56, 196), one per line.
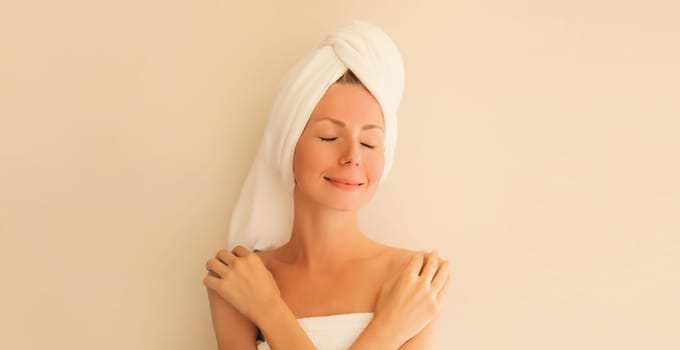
(263, 216)
(333, 332)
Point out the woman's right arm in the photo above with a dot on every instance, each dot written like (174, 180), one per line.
(232, 330)
(238, 304)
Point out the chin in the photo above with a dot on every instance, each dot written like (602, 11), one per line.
(343, 204)
(347, 207)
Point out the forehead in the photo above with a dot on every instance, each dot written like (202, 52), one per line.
(352, 104)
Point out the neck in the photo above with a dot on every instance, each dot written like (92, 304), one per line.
(325, 239)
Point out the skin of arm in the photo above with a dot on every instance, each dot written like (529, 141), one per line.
(376, 336)
(281, 329)
(235, 331)
(423, 340)
(232, 329)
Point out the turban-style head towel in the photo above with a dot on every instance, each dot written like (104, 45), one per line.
(263, 216)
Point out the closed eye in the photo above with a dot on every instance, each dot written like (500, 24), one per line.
(328, 139)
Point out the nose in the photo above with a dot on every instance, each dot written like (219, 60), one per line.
(351, 155)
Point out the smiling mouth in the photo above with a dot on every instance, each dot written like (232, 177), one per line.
(343, 182)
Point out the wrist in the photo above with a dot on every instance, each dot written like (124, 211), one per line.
(378, 334)
(275, 310)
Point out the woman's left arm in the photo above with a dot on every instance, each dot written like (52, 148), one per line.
(425, 339)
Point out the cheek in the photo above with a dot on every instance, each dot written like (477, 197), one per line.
(306, 160)
(375, 166)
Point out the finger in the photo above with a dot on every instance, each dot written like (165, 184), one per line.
(241, 251)
(226, 257)
(211, 282)
(217, 267)
(415, 264)
(431, 264)
(441, 277)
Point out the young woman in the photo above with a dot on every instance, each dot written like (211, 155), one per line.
(329, 286)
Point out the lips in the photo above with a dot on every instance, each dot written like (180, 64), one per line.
(345, 181)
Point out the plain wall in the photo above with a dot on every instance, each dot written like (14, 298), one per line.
(538, 150)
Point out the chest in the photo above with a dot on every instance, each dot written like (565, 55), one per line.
(352, 290)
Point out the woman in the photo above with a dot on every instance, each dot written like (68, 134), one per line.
(315, 280)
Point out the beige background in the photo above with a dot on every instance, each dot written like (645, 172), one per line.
(538, 150)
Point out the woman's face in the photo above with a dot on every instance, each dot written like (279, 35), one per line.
(343, 142)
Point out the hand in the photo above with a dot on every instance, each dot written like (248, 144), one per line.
(410, 300)
(241, 279)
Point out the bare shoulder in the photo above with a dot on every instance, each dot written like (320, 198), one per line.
(398, 257)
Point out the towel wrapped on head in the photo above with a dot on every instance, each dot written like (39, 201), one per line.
(263, 216)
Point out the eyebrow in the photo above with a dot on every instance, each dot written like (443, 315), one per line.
(339, 122)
